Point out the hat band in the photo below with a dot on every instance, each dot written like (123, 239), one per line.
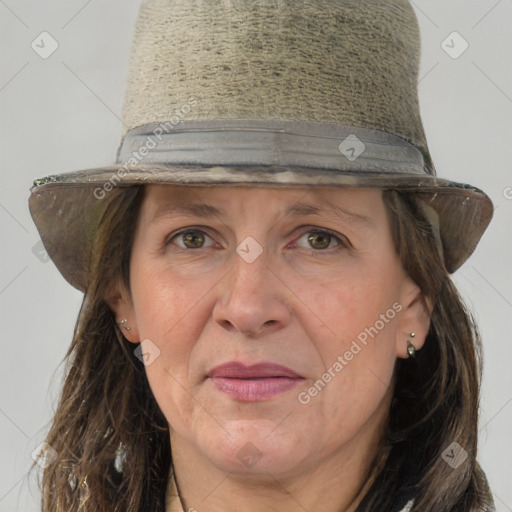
(270, 142)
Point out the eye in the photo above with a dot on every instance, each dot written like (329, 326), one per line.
(190, 238)
(321, 239)
(318, 239)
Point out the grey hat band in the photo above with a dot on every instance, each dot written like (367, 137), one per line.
(270, 142)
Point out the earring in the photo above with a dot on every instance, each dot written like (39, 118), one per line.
(120, 458)
(121, 324)
(411, 349)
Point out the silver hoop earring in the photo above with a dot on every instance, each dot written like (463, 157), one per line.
(121, 324)
(411, 349)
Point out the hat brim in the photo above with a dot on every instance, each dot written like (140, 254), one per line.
(67, 208)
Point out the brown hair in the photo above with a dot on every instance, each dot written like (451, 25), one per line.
(436, 396)
(107, 410)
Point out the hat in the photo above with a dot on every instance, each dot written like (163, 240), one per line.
(279, 93)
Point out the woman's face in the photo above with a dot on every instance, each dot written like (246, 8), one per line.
(270, 321)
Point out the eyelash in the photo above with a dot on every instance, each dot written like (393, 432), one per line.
(342, 242)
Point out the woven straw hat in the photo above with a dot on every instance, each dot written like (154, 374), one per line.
(280, 93)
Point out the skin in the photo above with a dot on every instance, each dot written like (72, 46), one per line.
(300, 304)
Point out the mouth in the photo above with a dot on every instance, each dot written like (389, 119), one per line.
(254, 383)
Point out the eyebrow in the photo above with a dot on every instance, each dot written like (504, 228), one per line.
(297, 209)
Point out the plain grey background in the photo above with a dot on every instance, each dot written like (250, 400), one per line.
(62, 113)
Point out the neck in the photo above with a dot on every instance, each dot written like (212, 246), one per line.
(336, 484)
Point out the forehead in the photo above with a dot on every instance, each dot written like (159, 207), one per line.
(357, 208)
(296, 200)
(359, 212)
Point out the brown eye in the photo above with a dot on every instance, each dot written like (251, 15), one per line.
(322, 239)
(190, 239)
(319, 239)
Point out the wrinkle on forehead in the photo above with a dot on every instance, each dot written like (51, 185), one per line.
(168, 201)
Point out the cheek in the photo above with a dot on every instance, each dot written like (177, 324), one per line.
(158, 309)
(170, 313)
(355, 307)
(162, 302)
(359, 354)
(166, 315)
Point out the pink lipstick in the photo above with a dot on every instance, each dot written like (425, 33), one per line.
(254, 383)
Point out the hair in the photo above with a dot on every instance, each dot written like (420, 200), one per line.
(107, 413)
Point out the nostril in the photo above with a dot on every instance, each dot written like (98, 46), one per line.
(227, 325)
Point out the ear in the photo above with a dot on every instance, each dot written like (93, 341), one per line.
(119, 301)
(414, 318)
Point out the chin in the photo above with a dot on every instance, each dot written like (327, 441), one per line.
(253, 447)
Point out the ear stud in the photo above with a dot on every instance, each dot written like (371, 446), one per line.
(121, 324)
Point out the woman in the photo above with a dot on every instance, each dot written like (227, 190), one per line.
(288, 339)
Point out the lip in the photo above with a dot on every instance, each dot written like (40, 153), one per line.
(253, 383)
(236, 370)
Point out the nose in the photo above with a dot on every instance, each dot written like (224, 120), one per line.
(253, 299)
